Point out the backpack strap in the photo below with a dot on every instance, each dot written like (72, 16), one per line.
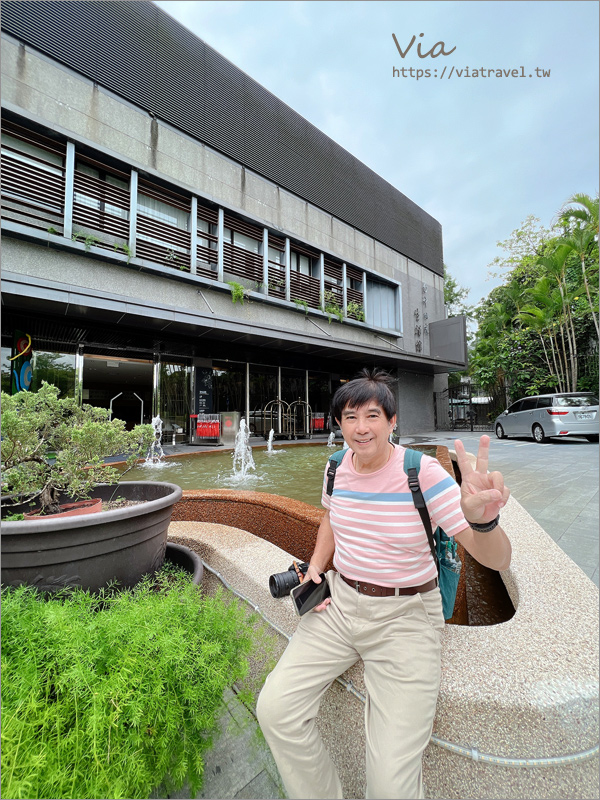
(412, 464)
(335, 459)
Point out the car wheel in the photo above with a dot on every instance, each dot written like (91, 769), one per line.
(538, 434)
(592, 437)
(500, 432)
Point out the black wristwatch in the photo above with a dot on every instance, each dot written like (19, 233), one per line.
(485, 527)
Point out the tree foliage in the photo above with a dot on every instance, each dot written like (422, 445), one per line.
(51, 445)
(538, 331)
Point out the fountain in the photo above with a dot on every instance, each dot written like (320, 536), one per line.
(242, 453)
(270, 450)
(155, 453)
(331, 440)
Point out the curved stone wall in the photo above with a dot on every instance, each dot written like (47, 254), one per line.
(286, 523)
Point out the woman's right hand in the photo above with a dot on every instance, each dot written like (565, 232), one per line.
(314, 574)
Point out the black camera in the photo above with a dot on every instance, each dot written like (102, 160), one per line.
(282, 583)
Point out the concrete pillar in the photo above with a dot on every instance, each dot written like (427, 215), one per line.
(133, 193)
(220, 234)
(287, 271)
(69, 184)
(193, 234)
(322, 277)
(265, 245)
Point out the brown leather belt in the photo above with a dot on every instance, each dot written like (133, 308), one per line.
(386, 591)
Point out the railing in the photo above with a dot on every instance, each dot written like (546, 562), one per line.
(101, 207)
(33, 187)
(165, 244)
(242, 262)
(33, 194)
(304, 287)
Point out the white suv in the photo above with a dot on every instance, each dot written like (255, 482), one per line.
(564, 414)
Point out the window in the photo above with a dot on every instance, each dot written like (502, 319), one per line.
(163, 219)
(32, 178)
(515, 407)
(544, 402)
(381, 305)
(574, 401)
(528, 404)
(245, 242)
(276, 256)
(100, 203)
(303, 264)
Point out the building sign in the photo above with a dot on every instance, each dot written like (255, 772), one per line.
(204, 390)
(20, 363)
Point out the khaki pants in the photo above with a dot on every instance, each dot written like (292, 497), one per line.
(399, 641)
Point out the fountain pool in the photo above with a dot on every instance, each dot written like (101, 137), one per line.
(296, 473)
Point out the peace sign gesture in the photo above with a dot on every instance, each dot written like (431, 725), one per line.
(483, 493)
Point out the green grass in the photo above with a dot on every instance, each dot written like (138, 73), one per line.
(110, 696)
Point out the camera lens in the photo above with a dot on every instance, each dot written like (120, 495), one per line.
(282, 583)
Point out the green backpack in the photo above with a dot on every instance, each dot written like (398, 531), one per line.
(443, 548)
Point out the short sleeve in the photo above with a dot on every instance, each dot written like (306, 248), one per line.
(325, 498)
(442, 495)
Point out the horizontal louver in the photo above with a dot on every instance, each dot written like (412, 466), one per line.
(33, 183)
(303, 287)
(139, 52)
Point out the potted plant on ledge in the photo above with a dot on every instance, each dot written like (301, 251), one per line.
(53, 453)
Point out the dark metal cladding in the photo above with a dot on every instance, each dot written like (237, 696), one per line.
(141, 54)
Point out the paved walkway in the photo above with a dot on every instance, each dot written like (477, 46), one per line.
(557, 483)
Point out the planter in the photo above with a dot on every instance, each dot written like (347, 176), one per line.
(91, 550)
(92, 506)
(185, 558)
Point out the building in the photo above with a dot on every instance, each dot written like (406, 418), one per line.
(176, 240)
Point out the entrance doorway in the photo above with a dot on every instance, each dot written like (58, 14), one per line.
(123, 385)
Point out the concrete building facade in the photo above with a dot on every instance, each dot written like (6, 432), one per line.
(162, 267)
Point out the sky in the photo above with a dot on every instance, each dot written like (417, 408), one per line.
(478, 152)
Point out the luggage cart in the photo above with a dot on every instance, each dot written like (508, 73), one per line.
(302, 419)
(206, 430)
(276, 417)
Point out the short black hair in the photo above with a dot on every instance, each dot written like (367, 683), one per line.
(368, 385)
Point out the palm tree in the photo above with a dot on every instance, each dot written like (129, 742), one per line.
(554, 263)
(581, 226)
(543, 314)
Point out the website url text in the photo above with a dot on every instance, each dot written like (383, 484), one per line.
(469, 72)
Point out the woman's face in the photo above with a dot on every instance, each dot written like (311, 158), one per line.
(367, 431)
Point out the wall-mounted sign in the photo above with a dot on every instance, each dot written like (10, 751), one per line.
(20, 363)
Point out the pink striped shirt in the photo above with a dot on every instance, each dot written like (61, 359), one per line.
(379, 536)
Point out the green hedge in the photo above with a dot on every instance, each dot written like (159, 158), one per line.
(109, 696)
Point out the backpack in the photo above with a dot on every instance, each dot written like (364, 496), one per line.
(443, 547)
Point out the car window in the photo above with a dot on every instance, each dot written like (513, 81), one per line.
(528, 403)
(515, 407)
(544, 402)
(576, 402)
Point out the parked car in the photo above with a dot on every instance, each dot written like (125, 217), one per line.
(546, 415)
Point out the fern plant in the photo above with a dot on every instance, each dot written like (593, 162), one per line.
(238, 292)
(115, 694)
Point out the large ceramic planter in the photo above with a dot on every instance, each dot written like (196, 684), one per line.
(92, 550)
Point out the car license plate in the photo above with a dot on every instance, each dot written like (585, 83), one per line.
(585, 416)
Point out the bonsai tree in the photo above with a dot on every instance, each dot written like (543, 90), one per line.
(51, 445)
